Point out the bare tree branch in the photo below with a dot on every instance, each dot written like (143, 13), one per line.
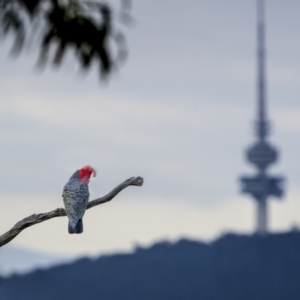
(60, 212)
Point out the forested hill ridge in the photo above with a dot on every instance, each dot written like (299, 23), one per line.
(233, 267)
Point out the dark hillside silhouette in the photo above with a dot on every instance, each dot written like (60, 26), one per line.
(233, 267)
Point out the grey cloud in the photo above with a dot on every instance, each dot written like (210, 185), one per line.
(179, 113)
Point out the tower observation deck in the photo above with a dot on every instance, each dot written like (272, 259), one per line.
(261, 154)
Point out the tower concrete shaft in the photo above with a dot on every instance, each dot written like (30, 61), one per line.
(262, 217)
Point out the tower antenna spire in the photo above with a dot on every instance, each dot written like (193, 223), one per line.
(261, 186)
(262, 124)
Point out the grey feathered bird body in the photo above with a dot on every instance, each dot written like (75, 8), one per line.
(76, 196)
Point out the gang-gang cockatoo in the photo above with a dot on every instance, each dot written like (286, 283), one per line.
(76, 196)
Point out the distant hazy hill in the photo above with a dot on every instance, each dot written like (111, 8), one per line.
(231, 268)
(19, 260)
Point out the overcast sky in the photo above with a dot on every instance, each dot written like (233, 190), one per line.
(179, 113)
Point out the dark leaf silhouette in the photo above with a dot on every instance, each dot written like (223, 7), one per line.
(86, 27)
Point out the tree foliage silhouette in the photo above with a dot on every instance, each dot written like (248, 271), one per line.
(87, 27)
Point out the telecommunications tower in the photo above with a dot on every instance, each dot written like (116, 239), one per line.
(261, 154)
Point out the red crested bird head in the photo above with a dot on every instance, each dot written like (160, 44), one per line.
(86, 172)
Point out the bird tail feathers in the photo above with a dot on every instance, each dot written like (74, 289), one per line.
(75, 226)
